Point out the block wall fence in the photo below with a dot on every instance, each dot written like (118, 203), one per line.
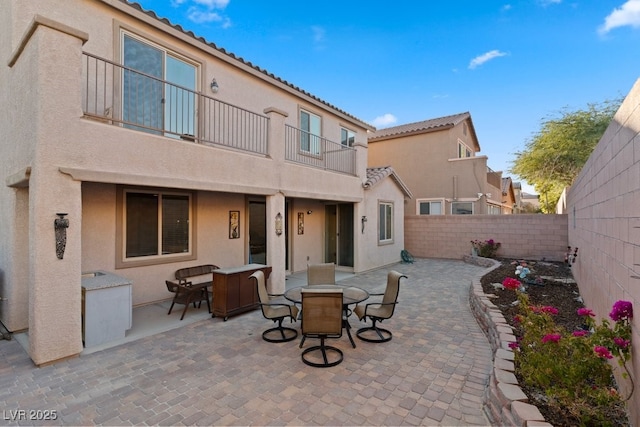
(604, 222)
(532, 236)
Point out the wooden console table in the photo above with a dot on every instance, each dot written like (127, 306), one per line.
(234, 292)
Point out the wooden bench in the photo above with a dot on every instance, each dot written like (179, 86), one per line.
(186, 291)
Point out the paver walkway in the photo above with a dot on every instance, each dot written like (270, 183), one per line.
(433, 372)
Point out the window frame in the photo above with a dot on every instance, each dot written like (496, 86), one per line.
(388, 221)
(471, 203)
(464, 151)
(351, 137)
(308, 133)
(419, 202)
(166, 128)
(122, 261)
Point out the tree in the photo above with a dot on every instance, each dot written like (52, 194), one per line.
(554, 156)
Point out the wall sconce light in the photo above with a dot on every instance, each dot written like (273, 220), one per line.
(309, 212)
(214, 86)
(279, 224)
(60, 226)
(363, 220)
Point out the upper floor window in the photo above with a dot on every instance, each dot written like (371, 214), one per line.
(429, 207)
(462, 208)
(310, 124)
(463, 150)
(158, 91)
(385, 221)
(347, 137)
(155, 225)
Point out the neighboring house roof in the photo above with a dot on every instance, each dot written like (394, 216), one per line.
(425, 126)
(247, 63)
(375, 175)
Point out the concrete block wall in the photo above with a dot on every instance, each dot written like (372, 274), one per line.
(603, 206)
(532, 237)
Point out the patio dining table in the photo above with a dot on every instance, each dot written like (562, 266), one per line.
(350, 295)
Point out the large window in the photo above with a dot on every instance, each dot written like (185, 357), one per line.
(347, 137)
(310, 125)
(429, 207)
(494, 209)
(156, 225)
(149, 104)
(462, 208)
(385, 221)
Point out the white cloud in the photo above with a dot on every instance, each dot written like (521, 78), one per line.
(506, 7)
(481, 59)
(627, 14)
(203, 11)
(384, 120)
(546, 3)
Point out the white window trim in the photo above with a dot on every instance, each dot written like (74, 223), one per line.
(461, 145)
(473, 206)
(320, 137)
(391, 239)
(441, 201)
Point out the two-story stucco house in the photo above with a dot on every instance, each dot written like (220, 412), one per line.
(165, 151)
(437, 160)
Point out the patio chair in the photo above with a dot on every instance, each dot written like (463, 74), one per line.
(379, 311)
(321, 318)
(275, 308)
(321, 274)
(187, 293)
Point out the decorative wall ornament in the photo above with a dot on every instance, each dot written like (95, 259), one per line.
(279, 224)
(301, 222)
(60, 226)
(234, 224)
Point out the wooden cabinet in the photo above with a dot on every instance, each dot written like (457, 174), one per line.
(233, 291)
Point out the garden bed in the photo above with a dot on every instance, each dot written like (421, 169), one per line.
(558, 289)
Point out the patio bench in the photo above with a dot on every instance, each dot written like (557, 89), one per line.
(186, 291)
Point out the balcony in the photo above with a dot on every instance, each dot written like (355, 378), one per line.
(125, 97)
(318, 152)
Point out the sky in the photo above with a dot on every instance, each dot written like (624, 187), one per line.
(510, 64)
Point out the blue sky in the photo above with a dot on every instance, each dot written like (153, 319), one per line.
(511, 64)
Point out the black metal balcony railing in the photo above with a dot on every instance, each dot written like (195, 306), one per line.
(120, 95)
(316, 151)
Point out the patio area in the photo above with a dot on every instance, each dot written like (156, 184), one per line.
(207, 371)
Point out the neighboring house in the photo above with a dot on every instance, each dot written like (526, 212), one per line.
(437, 160)
(531, 202)
(165, 151)
(509, 201)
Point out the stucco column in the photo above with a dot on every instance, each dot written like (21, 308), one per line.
(276, 247)
(51, 58)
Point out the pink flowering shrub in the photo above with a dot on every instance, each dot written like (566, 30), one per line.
(572, 367)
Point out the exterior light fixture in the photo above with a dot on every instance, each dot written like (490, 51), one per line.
(279, 224)
(60, 226)
(214, 86)
(309, 212)
(363, 220)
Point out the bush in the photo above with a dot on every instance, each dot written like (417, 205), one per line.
(486, 249)
(572, 367)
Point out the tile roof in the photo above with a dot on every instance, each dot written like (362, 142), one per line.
(375, 175)
(506, 184)
(241, 60)
(424, 126)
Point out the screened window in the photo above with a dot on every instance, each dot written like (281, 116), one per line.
(429, 208)
(347, 137)
(156, 224)
(385, 222)
(462, 208)
(310, 138)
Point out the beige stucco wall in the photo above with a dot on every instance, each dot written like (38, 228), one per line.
(54, 160)
(604, 223)
(429, 165)
(532, 237)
